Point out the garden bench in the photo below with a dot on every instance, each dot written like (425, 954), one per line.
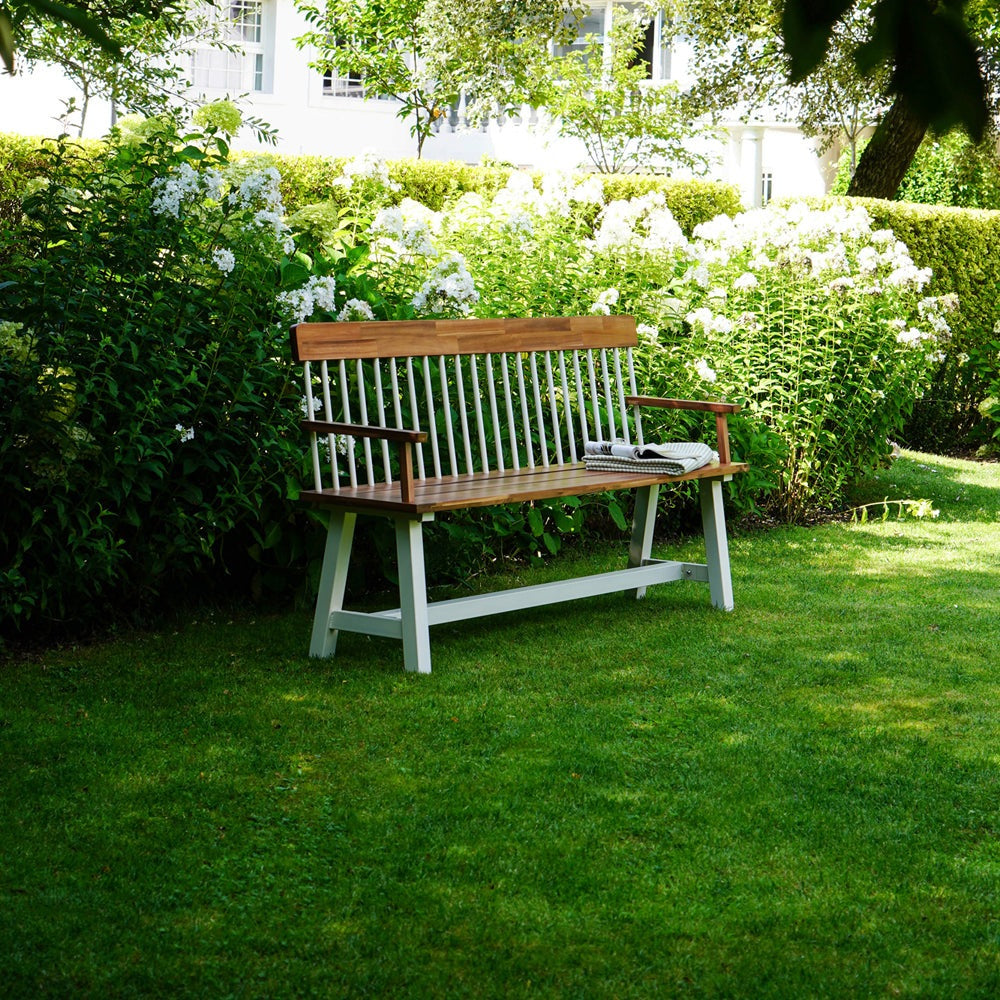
(408, 419)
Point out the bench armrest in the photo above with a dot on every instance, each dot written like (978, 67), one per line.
(365, 431)
(721, 411)
(405, 438)
(682, 404)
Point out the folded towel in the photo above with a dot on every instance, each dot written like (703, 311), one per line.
(675, 458)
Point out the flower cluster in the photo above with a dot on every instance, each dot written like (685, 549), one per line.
(403, 233)
(448, 291)
(644, 224)
(300, 304)
(367, 166)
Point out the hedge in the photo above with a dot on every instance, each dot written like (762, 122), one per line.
(307, 180)
(961, 246)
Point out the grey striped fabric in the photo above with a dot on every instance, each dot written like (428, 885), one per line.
(673, 458)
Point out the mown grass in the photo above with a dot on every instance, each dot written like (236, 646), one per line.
(606, 799)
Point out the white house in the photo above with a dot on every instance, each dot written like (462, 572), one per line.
(320, 113)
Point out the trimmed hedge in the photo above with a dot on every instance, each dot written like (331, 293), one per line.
(962, 248)
(308, 180)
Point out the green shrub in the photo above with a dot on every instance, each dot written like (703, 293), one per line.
(962, 249)
(148, 438)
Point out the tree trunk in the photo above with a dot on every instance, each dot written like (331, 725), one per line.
(887, 157)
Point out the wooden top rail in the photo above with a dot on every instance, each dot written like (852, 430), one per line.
(433, 338)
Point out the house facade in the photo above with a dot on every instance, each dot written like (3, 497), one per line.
(321, 113)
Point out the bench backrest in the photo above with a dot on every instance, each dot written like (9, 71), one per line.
(491, 394)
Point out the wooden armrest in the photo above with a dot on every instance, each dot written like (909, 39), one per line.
(365, 431)
(682, 404)
(406, 438)
(721, 411)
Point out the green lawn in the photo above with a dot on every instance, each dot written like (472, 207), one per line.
(605, 799)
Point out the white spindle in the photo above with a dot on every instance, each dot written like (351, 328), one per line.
(345, 399)
(491, 388)
(525, 419)
(539, 411)
(477, 399)
(509, 406)
(553, 409)
(595, 404)
(632, 392)
(431, 417)
(567, 407)
(609, 404)
(366, 443)
(463, 414)
(313, 441)
(581, 402)
(620, 386)
(446, 404)
(411, 383)
(380, 403)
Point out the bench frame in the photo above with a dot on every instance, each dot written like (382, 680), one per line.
(411, 501)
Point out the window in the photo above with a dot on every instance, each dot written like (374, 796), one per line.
(655, 52)
(248, 26)
(766, 187)
(351, 85)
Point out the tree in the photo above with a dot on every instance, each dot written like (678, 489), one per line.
(95, 20)
(143, 76)
(742, 67)
(938, 72)
(425, 53)
(603, 98)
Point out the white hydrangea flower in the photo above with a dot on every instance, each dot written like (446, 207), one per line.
(704, 371)
(746, 281)
(607, 299)
(700, 318)
(355, 310)
(224, 260)
(647, 333)
(297, 304)
(181, 186)
(448, 289)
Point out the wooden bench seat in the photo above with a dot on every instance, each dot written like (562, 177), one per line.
(412, 419)
(492, 488)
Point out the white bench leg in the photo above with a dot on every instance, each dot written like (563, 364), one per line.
(413, 595)
(643, 521)
(332, 581)
(713, 520)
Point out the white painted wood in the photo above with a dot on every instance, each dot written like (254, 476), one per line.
(332, 582)
(380, 406)
(643, 521)
(411, 384)
(477, 398)
(491, 390)
(567, 410)
(529, 450)
(449, 429)
(431, 417)
(713, 520)
(392, 624)
(366, 443)
(413, 595)
(463, 414)
(553, 409)
(539, 413)
(508, 404)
